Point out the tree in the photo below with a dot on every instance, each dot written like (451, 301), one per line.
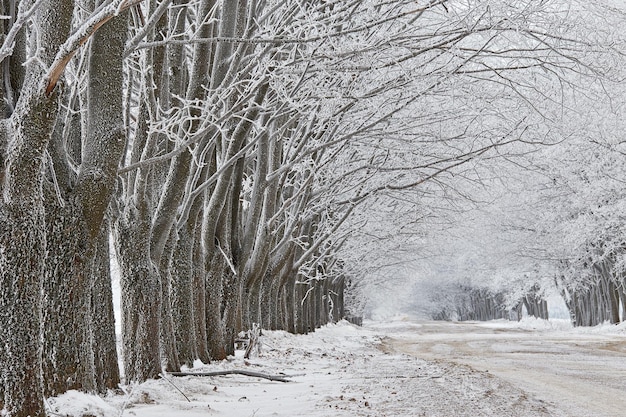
(41, 211)
(23, 239)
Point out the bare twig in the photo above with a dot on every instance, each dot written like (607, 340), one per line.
(172, 384)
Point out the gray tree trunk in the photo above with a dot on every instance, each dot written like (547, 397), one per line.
(214, 295)
(183, 310)
(169, 352)
(200, 300)
(106, 368)
(22, 221)
(74, 225)
(68, 360)
(22, 240)
(141, 297)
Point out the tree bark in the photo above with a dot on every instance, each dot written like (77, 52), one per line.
(200, 299)
(68, 360)
(169, 353)
(22, 240)
(106, 368)
(74, 220)
(183, 311)
(141, 297)
(22, 222)
(214, 295)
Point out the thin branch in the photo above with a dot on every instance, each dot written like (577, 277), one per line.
(228, 260)
(9, 42)
(174, 385)
(151, 24)
(286, 41)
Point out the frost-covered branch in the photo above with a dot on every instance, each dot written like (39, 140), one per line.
(22, 17)
(149, 26)
(81, 36)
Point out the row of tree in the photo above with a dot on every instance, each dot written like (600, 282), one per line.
(553, 219)
(462, 302)
(234, 152)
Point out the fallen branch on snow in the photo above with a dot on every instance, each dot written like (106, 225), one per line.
(233, 372)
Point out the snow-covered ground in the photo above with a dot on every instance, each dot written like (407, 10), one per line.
(398, 368)
(573, 372)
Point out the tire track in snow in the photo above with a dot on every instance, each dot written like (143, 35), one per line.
(580, 374)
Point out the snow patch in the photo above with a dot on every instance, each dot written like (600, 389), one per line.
(77, 404)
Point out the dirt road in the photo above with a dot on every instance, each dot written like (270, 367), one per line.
(577, 373)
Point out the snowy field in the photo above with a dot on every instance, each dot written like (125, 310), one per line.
(398, 368)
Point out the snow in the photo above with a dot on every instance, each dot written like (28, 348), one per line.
(74, 403)
(401, 367)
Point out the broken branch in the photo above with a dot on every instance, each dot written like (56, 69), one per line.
(80, 37)
(233, 372)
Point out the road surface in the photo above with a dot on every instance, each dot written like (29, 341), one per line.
(577, 372)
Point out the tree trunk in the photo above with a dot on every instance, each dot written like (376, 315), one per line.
(214, 294)
(230, 310)
(253, 305)
(74, 225)
(106, 368)
(622, 299)
(613, 302)
(169, 354)
(22, 241)
(299, 310)
(183, 310)
(289, 299)
(200, 305)
(22, 222)
(68, 357)
(141, 298)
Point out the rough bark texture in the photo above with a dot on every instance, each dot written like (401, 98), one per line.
(141, 298)
(106, 368)
(169, 354)
(182, 297)
(199, 301)
(22, 217)
(105, 136)
(214, 293)
(68, 363)
(22, 241)
(74, 225)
